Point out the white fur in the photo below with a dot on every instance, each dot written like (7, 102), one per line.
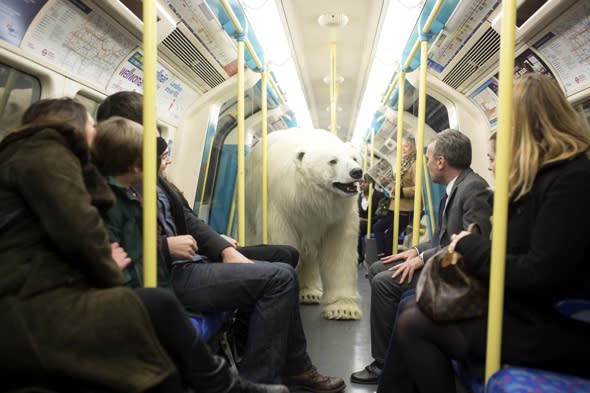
(306, 211)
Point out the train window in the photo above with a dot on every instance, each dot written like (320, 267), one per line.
(527, 9)
(437, 116)
(17, 92)
(90, 103)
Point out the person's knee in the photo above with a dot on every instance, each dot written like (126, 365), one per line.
(288, 254)
(283, 274)
(294, 255)
(158, 302)
(375, 269)
(383, 284)
(408, 319)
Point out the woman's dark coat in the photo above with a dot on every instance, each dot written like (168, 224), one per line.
(63, 314)
(548, 259)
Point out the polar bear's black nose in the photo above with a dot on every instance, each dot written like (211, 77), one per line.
(356, 173)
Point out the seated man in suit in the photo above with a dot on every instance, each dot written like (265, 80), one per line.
(465, 201)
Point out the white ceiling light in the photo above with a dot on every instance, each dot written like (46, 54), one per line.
(266, 23)
(399, 23)
(327, 79)
(333, 19)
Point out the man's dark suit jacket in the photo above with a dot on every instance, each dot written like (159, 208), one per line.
(468, 203)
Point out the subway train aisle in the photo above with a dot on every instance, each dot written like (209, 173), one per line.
(339, 348)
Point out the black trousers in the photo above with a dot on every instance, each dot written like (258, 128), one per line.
(196, 366)
(271, 253)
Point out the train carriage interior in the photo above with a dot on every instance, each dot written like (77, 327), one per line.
(336, 65)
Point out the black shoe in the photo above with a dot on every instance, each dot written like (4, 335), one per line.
(369, 375)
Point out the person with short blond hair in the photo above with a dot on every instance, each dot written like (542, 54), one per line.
(120, 135)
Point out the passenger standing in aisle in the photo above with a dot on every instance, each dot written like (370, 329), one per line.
(384, 226)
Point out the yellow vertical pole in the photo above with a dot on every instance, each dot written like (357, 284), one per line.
(241, 143)
(370, 207)
(264, 142)
(500, 214)
(420, 142)
(149, 146)
(365, 157)
(398, 158)
(333, 91)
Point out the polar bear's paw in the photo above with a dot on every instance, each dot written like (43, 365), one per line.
(342, 311)
(309, 296)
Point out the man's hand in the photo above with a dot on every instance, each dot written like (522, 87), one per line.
(120, 256)
(410, 253)
(231, 255)
(182, 247)
(406, 269)
(234, 243)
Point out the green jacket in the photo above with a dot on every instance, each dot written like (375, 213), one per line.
(63, 312)
(124, 224)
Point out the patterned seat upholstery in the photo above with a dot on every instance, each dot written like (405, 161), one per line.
(524, 380)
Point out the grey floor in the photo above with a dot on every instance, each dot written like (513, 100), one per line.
(339, 348)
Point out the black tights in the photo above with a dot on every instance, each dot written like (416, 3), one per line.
(194, 362)
(420, 353)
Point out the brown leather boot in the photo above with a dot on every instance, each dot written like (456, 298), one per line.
(312, 381)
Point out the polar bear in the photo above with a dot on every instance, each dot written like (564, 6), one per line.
(312, 190)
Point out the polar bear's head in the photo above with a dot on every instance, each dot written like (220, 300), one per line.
(332, 167)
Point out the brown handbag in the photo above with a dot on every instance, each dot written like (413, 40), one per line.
(445, 292)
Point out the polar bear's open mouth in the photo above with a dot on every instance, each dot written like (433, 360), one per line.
(349, 188)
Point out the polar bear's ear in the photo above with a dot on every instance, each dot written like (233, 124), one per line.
(300, 154)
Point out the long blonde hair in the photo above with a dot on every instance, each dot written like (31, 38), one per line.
(546, 129)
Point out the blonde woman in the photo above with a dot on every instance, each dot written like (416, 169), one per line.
(383, 228)
(546, 258)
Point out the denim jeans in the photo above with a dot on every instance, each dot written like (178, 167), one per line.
(276, 344)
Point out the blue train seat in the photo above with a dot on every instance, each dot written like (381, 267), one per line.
(214, 328)
(209, 324)
(519, 379)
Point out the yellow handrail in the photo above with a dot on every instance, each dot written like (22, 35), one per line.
(365, 148)
(250, 49)
(390, 89)
(276, 89)
(241, 151)
(433, 14)
(240, 30)
(398, 159)
(370, 205)
(150, 172)
(500, 214)
(333, 98)
(264, 146)
(420, 142)
(411, 56)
